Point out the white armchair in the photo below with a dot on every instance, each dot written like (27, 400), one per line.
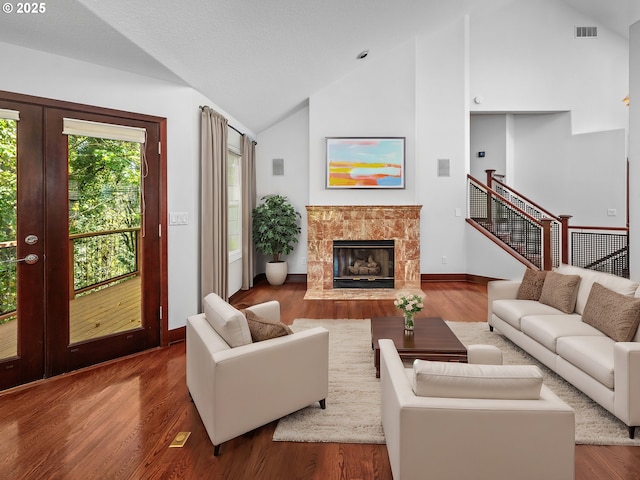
(236, 390)
(454, 438)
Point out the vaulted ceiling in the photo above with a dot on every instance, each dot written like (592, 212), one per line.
(259, 60)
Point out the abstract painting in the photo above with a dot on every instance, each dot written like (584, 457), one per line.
(365, 162)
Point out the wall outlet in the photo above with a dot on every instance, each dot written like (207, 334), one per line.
(303, 260)
(444, 259)
(611, 212)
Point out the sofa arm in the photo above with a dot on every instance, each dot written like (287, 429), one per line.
(269, 310)
(500, 290)
(263, 381)
(626, 364)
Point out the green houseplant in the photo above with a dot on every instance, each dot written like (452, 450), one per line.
(275, 232)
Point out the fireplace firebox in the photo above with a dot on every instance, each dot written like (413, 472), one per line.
(363, 264)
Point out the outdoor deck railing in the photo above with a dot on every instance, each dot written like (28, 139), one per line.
(99, 258)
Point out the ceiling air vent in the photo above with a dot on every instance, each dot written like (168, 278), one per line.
(586, 32)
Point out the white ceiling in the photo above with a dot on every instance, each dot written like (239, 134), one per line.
(259, 60)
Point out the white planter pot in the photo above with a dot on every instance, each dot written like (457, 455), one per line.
(276, 272)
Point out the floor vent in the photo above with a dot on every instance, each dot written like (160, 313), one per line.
(586, 32)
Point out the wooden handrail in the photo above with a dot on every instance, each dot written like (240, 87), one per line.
(578, 227)
(505, 200)
(531, 202)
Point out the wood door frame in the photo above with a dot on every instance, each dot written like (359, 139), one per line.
(161, 123)
(28, 365)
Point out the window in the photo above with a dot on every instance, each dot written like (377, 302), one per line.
(234, 194)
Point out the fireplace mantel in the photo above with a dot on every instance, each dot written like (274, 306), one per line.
(400, 223)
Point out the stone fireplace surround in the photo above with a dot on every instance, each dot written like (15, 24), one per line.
(326, 223)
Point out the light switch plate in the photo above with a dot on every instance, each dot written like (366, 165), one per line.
(178, 218)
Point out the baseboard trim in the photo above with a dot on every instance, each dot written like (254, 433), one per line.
(455, 277)
(177, 335)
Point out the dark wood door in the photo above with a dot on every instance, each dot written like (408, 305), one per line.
(93, 202)
(21, 243)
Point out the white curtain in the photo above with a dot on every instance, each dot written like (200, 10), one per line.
(248, 204)
(214, 249)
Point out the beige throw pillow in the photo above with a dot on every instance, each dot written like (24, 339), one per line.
(531, 286)
(263, 329)
(560, 291)
(614, 314)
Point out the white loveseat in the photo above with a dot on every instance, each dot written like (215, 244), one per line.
(480, 438)
(240, 388)
(606, 370)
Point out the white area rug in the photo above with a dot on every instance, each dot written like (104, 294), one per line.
(353, 405)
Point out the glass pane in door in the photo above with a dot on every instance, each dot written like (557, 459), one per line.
(105, 238)
(8, 234)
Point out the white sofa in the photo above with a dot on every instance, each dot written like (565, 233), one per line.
(478, 438)
(606, 370)
(237, 389)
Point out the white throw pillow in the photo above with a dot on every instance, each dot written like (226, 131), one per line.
(462, 380)
(228, 322)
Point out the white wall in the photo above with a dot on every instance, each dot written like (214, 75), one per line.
(376, 100)
(524, 58)
(443, 125)
(520, 57)
(488, 133)
(81, 82)
(580, 175)
(634, 149)
(288, 140)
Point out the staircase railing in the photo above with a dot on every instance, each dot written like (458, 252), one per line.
(529, 239)
(514, 220)
(605, 249)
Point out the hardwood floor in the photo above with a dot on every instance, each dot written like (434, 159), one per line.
(116, 420)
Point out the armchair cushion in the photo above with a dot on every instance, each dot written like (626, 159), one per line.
(462, 380)
(227, 321)
(263, 328)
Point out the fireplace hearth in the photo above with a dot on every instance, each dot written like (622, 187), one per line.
(363, 264)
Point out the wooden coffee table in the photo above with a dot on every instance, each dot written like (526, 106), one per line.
(432, 339)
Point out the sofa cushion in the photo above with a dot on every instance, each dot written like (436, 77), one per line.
(531, 286)
(511, 310)
(593, 355)
(587, 277)
(560, 291)
(462, 380)
(228, 322)
(615, 315)
(264, 329)
(546, 329)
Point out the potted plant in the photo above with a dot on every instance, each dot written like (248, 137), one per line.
(275, 231)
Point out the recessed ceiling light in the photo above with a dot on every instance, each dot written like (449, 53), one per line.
(362, 54)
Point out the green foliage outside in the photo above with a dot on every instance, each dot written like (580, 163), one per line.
(8, 220)
(104, 195)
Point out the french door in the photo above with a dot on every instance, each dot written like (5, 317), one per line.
(81, 254)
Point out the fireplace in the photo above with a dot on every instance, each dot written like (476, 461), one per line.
(397, 223)
(363, 263)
